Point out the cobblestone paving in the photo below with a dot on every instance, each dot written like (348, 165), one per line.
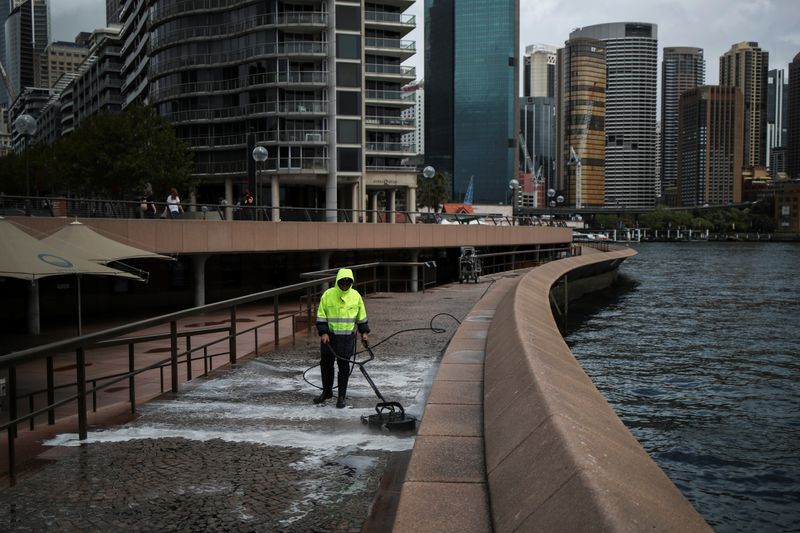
(247, 451)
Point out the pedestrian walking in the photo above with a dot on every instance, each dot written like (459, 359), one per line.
(174, 207)
(340, 315)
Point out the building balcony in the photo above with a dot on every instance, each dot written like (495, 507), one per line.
(301, 21)
(279, 166)
(303, 107)
(378, 71)
(391, 47)
(385, 97)
(395, 22)
(309, 49)
(299, 107)
(294, 137)
(395, 148)
(293, 79)
(389, 122)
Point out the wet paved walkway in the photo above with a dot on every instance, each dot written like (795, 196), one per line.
(247, 450)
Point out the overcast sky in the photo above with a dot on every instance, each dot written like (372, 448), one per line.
(713, 25)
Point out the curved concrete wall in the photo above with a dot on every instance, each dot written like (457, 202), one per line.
(557, 456)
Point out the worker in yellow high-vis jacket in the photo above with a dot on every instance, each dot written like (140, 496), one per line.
(340, 315)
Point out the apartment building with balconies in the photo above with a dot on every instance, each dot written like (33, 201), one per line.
(317, 83)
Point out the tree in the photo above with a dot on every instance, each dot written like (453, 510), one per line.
(111, 155)
(432, 192)
(117, 154)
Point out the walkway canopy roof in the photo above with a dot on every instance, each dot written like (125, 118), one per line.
(23, 256)
(97, 247)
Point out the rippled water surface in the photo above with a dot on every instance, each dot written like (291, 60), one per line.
(698, 351)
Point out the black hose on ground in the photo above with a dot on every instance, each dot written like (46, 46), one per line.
(353, 363)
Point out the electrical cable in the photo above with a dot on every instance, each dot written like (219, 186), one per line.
(408, 330)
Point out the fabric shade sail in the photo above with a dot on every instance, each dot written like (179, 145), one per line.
(23, 256)
(96, 247)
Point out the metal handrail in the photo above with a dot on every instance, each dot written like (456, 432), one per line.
(102, 339)
(104, 208)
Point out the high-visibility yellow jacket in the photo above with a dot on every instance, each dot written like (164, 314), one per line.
(342, 312)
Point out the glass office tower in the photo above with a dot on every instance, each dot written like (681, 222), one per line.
(471, 66)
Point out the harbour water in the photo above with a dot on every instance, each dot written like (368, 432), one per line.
(698, 351)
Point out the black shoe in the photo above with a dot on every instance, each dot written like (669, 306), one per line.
(322, 397)
(340, 402)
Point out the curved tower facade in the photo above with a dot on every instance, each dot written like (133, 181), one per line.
(316, 82)
(581, 97)
(631, 50)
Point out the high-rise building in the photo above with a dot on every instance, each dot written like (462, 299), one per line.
(745, 66)
(57, 59)
(580, 125)
(777, 109)
(682, 68)
(471, 87)
(537, 112)
(539, 76)
(793, 120)
(710, 148)
(415, 116)
(318, 85)
(27, 34)
(5, 9)
(631, 53)
(538, 126)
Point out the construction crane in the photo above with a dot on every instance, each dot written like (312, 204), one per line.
(574, 159)
(529, 165)
(12, 95)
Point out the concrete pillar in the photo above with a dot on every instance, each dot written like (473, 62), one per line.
(199, 278)
(373, 207)
(229, 198)
(324, 264)
(391, 206)
(412, 203)
(276, 198)
(193, 201)
(34, 327)
(354, 196)
(414, 286)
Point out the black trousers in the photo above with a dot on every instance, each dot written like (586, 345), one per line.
(344, 346)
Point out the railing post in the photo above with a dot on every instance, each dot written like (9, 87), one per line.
(188, 358)
(276, 324)
(131, 379)
(173, 341)
(566, 303)
(51, 392)
(80, 363)
(308, 309)
(30, 410)
(232, 337)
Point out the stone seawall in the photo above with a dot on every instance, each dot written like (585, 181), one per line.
(557, 456)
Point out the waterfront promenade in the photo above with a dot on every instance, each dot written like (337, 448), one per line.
(247, 451)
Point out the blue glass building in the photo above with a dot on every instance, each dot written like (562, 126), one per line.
(471, 80)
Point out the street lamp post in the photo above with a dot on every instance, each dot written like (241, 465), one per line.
(513, 184)
(260, 155)
(26, 126)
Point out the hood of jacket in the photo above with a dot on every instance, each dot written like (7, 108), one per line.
(345, 273)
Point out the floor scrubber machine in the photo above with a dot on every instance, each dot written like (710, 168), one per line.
(388, 416)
